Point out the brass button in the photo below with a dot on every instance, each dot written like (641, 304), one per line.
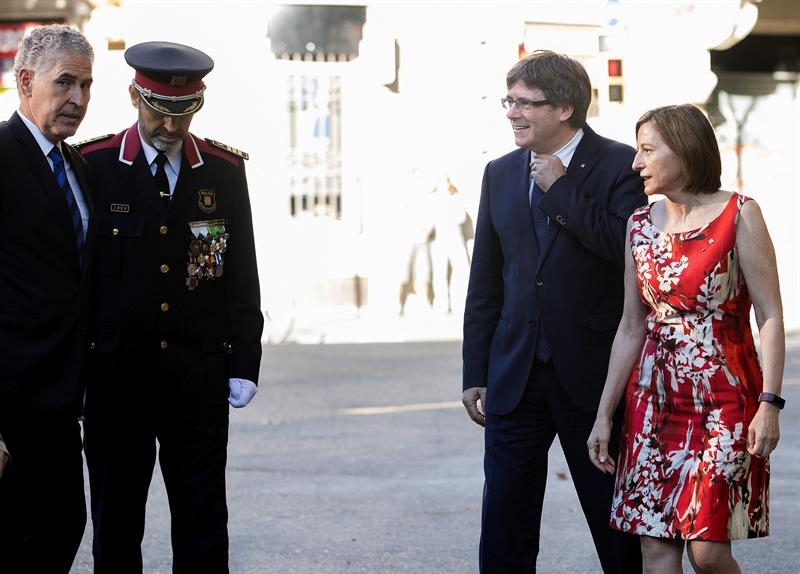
(163, 230)
(164, 344)
(164, 268)
(165, 306)
(115, 231)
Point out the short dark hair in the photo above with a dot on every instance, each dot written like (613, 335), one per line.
(563, 80)
(688, 133)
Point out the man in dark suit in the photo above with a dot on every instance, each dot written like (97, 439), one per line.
(544, 299)
(177, 321)
(47, 218)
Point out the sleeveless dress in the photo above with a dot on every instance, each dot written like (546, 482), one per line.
(684, 471)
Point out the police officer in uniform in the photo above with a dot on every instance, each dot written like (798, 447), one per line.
(177, 321)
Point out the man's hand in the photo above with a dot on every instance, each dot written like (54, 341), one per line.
(241, 391)
(546, 169)
(473, 400)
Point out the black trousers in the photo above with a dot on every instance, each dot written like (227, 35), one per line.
(515, 468)
(121, 457)
(42, 505)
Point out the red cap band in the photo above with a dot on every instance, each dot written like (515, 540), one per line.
(163, 89)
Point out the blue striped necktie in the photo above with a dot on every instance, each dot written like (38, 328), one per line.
(75, 213)
(540, 224)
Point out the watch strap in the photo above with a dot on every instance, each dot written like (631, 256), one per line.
(773, 399)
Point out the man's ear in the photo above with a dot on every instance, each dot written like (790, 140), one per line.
(134, 97)
(25, 82)
(566, 113)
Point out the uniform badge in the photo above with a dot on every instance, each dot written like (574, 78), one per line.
(120, 208)
(206, 250)
(207, 200)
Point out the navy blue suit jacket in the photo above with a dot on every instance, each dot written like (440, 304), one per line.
(43, 289)
(572, 291)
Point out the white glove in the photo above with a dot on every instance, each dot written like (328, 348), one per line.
(241, 392)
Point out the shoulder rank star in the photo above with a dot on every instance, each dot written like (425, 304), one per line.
(226, 147)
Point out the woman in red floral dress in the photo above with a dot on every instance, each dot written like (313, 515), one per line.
(700, 418)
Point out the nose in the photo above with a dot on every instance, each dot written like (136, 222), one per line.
(79, 95)
(170, 123)
(638, 162)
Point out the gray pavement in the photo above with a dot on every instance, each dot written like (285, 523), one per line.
(358, 458)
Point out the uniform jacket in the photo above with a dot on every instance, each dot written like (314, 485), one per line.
(167, 327)
(572, 291)
(43, 289)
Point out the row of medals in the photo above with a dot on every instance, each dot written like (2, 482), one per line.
(205, 258)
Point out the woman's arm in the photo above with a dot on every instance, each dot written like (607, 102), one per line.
(757, 260)
(625, 352)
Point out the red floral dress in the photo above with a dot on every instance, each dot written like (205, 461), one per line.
(684, 471)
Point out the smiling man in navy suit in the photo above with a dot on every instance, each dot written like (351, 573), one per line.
(544, 300)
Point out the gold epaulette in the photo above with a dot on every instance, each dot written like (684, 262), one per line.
(226, 147)
(92, 140)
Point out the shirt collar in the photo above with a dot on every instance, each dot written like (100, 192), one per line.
(173, 155)
(40, 138)
(565, 153)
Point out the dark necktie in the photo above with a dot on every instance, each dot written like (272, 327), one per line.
(540, 219)
(540, 224)
(75, 213)
(161, 178)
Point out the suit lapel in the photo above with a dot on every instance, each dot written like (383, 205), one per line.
(76, 162)
(579, 167)
(41, 170)
(521, 202)
(38, 165)
(584, 157)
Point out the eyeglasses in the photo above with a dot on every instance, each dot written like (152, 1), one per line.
(522, 104)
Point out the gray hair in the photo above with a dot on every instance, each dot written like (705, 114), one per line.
(38, 45)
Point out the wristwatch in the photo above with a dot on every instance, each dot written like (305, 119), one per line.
(772, 398)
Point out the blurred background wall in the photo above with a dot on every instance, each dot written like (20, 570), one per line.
(354, 115)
